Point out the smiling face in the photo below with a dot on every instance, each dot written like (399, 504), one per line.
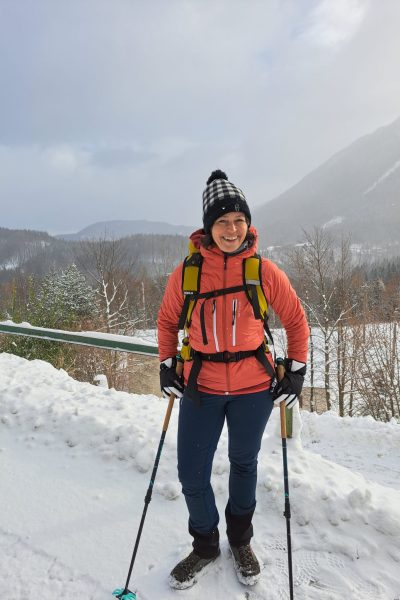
(229, 231)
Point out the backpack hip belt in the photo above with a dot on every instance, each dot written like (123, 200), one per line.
(225, 357)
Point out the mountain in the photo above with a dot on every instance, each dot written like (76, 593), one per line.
(118, 229)
(356, 191)
(35, 252)
(17, 246)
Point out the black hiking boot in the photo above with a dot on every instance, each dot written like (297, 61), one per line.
(246, 564)
(185, 574)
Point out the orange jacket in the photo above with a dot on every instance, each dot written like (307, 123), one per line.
(230, 322)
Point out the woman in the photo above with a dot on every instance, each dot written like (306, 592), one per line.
(230, 376)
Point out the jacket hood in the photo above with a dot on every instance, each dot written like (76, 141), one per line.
(196, 236)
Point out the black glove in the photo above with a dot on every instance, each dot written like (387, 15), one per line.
(170, 382)
(289, 388)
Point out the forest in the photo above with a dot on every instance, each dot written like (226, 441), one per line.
(116, 286)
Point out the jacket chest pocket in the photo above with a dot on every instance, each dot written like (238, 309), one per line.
(209, 315)
(214, 324)
(234, 319)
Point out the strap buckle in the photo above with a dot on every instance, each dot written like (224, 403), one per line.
(229, 356)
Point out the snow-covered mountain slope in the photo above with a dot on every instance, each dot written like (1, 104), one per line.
(356, 191)
(75, 462)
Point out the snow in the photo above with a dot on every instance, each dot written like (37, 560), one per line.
(332, 222)
(386, 174)
(101, 380)
(11, 263)
(75, 463)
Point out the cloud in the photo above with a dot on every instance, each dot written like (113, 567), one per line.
(333, 22)
(113, 110)
(106, 72)
(119, 156)
(65, 158)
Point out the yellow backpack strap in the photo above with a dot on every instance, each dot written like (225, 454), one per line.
(255, 292)
(190, 286)
(254, 289)
(192, 248)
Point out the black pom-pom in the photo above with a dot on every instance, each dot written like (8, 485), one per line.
(218, 174)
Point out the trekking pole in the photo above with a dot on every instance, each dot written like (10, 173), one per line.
(125, 593)
(280, 372)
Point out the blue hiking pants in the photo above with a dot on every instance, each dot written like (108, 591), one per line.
(199, 429)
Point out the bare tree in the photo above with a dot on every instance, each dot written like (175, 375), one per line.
(378, 376)
(379, 373)
(323, 281)
(315, 261)
(110, 266)
(344, 304)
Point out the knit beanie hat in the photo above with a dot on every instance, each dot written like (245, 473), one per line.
(221, 196)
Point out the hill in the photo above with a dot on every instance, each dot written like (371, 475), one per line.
(121, 228)
(32, 252)
(356, 191)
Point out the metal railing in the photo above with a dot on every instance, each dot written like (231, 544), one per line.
(95, 339)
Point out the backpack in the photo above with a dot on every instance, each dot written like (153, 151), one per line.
(252, 285)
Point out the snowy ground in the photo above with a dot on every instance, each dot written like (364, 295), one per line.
(75, 462)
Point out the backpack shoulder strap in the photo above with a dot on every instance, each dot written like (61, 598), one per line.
(254, 288)
(191, 273)
(252, 277)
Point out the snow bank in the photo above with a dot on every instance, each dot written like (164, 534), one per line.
(345, 525)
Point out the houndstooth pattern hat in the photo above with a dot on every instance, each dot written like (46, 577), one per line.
(221, 196)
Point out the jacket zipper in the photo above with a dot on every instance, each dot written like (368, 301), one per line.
(215, 325)
(234, 307)
(228, 383)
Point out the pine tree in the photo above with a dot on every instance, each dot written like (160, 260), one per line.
(63, 300)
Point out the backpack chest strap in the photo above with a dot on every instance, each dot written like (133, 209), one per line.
(192, 297)
(221, 292)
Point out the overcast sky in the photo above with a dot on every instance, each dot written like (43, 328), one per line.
(120, 109)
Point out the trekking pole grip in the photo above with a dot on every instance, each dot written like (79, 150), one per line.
(179, 371)
(280, 373)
